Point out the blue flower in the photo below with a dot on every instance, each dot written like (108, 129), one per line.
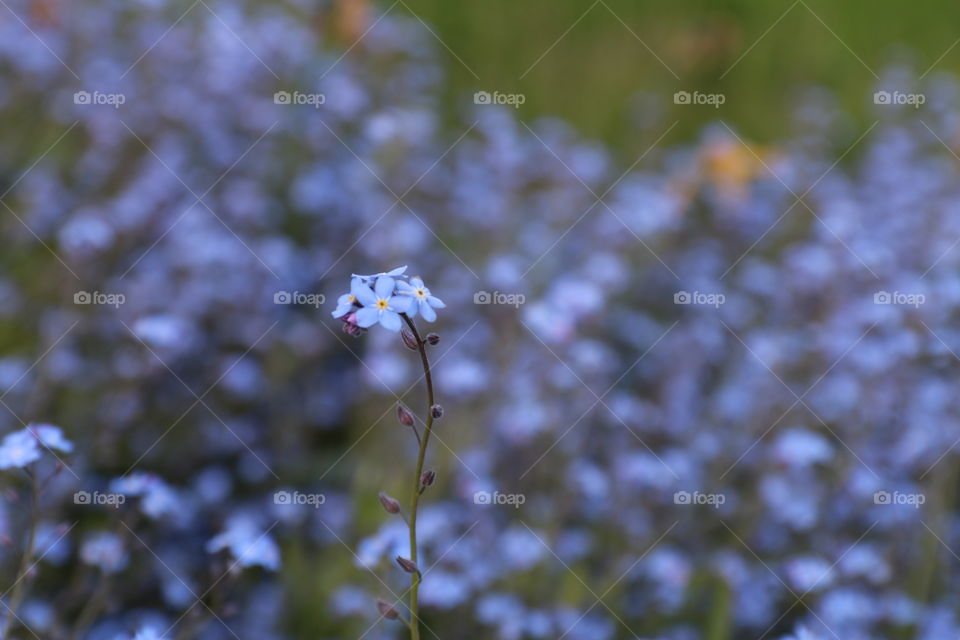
(247, 543)
(19, 449)
(51, 437)
(423, 301)
(395, 273)
(148, 633)
(379, 304)
(345, 304)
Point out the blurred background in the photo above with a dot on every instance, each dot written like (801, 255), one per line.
(698, 358)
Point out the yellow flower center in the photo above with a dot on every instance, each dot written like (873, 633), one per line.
(421, 294)
(351, 299)
(381, 304)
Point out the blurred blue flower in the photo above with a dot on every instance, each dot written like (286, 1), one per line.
(148, 633)
(422, 300)
(247, 543)
(18, 449)
(104, 550)
(51, 437)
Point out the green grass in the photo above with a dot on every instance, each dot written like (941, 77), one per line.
(594, 74)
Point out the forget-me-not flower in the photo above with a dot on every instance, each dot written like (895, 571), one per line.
(380, 304)
(423, 301)
(19, 449)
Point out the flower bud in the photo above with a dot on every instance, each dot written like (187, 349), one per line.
(350, 326)
(387, 610)
(409, 339)
(391, 505)
(428, 478)
(436, 411)
(407, 565)
(433, 338)
(404, 416)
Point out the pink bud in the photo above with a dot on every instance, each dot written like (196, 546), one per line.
(404, 415)
(409, 339)
(387, 610)
(391, 505)
(407, 565)
(428, 478)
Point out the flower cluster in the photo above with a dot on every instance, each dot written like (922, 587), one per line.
(20, 448)
(382, 298)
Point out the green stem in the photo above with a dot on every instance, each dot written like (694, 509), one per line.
(415, 499)
(18, 588)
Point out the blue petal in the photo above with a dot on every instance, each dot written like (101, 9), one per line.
(398, 271)
(384, 287)
(400, 304)
(417, 282)
(404, 288)
(362, 293)
(344, 299)
(427, 312)
(390, 320)
(436, 302)
(342, 310)
(367, 317)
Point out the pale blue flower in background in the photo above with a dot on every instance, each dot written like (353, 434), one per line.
(106, 551)
(422, 300)
(380, 304)
(19, 449)
(248, 544)
(394, 273)
(148, 633)
(51, 437)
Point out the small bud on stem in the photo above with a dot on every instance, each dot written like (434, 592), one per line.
(436, 411)
(407, 565)
(428, 478)
(433, 339)
(389, 504)
(404, 415)
(387, 610)
(409, 339)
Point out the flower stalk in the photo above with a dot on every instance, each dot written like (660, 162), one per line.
(418, 485)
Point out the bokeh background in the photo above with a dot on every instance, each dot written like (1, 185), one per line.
(710, 345)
